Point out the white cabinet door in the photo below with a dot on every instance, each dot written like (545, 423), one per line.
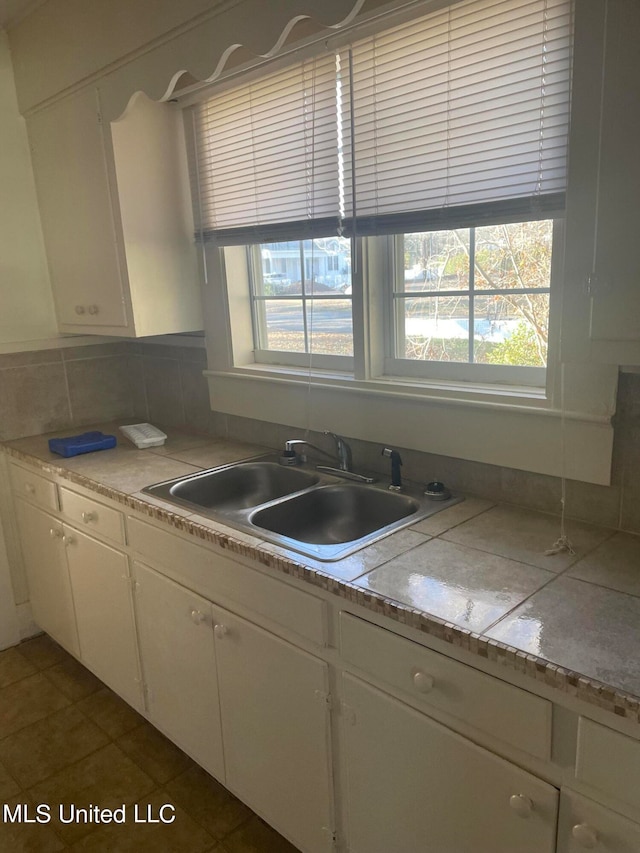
(77, 214)
(120, 249)
(416, 787)
(275, 725)
(615, 309)
(179, 666)
(584, 825)
(104, 611)
(47, 574)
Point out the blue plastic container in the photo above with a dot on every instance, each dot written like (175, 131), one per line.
(74, 445)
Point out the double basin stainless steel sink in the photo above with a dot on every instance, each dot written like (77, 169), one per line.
(315, 514)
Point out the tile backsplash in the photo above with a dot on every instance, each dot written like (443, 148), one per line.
(54, 389)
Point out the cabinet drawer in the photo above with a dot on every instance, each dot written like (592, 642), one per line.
(219, 578)
(583, 822)
(609, 762)
(93, 516)
(35, 488)
(486, 703)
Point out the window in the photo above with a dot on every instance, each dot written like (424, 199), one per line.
(475, 295)
(437, 144)
(301, 301)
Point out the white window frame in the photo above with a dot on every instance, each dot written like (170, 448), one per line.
(343, 363)
(491, 374)
(373, 319)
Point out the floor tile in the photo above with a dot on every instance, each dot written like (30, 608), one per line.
(42, 651)
(615, 564)
(14, 666)
(586, 627)
(183, 835)
(73, 679)
(110, 712)
(44, 748)
(458, 584)
(8, 785)
(26, 837)
(27, 701)
(524, 535)
(208, 802)
(106, 778)
(256, 837)
(154, 753)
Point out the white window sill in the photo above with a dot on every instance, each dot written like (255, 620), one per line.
(498, 397)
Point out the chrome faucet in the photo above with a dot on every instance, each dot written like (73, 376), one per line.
(343, 455)
(343, 451)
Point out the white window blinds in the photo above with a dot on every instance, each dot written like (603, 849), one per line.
(266, 154)
(460, 115)
(468, 104)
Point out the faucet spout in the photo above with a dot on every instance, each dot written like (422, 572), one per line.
(343, 451)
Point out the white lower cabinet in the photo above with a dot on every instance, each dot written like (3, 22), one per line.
(45, 564)
(585, 825)
(255, 709)
(179, 666)
(413, 786)
(101, 589)
(275, 724)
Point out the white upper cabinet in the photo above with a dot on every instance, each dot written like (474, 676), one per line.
(116, 217)
(601, 310)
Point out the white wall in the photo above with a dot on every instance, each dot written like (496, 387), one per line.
(26, 303)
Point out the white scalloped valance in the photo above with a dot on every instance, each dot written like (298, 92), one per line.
(204, 52)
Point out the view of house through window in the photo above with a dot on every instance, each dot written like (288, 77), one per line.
(475, 294)
(301, 296)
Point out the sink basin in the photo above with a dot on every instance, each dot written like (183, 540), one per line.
(304, 510)
(236, 487)
(333, 515)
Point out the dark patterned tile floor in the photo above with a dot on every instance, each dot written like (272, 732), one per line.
(67, 739)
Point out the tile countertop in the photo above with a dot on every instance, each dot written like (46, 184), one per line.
(474, 575)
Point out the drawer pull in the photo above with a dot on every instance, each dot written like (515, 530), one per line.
(423, 682)
(197, 616)
(89, 516)
(220, 631)
(521, 805)
(69, 540)
(55, 533)
(585, 835)
(29, 488)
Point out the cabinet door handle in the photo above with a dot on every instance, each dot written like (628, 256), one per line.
(94, 309)
(69, 540)
(80, 309)
(55, 533)
(521, 805)
(89, 516)
(197, 616)
(29, 488)
(423, 682)
(220, 631)
(585, 835)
